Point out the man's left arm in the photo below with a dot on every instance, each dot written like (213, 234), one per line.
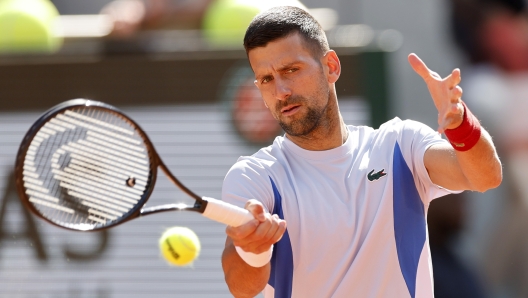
(471, 161)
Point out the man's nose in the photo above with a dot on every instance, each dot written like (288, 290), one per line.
(282, 89)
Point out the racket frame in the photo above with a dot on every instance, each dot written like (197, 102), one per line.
(155, 162)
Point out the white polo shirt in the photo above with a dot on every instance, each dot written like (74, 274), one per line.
(356, 214)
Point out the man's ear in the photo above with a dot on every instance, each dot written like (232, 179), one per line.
(333, 65)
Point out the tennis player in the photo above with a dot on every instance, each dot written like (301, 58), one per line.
(340, 211)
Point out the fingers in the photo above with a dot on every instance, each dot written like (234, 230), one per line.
(451, 114)
(255, 207)
(445, 92)
(456, 93)
(256, 236)
(418, 65)
(452, 117)
(242, 231)
(272, 235)
(420, 68)
(453, 79)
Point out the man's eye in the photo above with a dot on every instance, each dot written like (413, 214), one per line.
(265, 80)
(292, 70)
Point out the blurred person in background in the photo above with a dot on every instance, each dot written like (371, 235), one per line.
(453, 278)
(494, 36)
(130, 16)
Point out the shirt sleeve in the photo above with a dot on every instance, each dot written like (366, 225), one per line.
(247, 179)
(415, 139)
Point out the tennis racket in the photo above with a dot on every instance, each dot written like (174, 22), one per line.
(86, 166)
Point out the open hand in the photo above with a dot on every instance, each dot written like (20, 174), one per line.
(445, 92)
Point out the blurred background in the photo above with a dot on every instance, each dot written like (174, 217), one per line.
(178, 68)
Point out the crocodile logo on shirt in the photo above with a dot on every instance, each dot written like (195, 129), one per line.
(375, 176)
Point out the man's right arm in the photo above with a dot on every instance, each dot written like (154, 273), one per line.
(242, 279)
(257, 236)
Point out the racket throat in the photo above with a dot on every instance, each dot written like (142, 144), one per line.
(199, 206)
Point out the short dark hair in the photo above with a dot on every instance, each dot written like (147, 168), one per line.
(282, 21)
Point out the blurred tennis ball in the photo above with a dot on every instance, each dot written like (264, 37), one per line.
(179, 246)
(225, 21)
(27, 26)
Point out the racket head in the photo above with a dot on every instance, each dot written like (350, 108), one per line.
(84, 165)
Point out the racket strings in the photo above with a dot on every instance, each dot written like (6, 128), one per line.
(86, 167)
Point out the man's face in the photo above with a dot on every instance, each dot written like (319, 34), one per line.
(292, 82)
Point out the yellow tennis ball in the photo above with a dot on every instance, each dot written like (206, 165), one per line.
(28, 26)
(179, 246)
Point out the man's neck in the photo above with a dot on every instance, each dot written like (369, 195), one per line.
(323, 138)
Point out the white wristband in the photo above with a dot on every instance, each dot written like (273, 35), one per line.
(255, 260)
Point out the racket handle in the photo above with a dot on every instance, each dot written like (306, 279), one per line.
(226, 213)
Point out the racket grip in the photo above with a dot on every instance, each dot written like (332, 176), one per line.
(226, 213)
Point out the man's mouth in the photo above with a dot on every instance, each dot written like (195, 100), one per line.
(290, 110)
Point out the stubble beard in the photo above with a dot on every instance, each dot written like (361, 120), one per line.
(309, 122)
